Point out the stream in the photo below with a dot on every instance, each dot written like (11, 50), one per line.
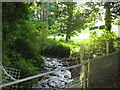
(56, 80)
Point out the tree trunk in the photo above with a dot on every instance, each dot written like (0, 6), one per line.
(108, 21)
(67, 37)
(108, 18)
(54, 37)
(47, 7)
(43, 11)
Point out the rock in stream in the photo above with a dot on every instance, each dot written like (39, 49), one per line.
(56, 80)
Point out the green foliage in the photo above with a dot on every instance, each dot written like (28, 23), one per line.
(56, 49)
(98, 43)
(5, 59)
(26, 48)
(24, 35)
(74, 19)
(61, 48)
(22, 39)
(112, 12)
(16, 60)
(15, 11)
(68, 21)
(93, 13)
(73, 44)
(26, 67)
(55, 28)
(117, 22)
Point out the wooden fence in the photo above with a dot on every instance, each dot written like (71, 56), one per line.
(102, 68)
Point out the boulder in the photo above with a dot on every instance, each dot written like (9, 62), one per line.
(56, 80)
(67, 74)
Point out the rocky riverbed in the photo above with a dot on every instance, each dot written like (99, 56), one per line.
(56, 80)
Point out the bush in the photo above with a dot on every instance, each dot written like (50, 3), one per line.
(26, 67)
(98, 43)
(21, 39)
(27, 49)
(62, 50)
(56, 49)
(16, 60)
(117, 22)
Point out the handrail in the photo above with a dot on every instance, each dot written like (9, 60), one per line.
(38, 75)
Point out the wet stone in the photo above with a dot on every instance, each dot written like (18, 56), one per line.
(56, 80)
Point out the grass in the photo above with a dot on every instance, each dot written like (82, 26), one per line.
(83, 37)
(74, 42)
(80, 41)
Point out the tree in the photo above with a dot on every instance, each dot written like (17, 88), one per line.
(69, 21)
(108, 18)
(94, 12)
(69, 24)
(112, 12)
(21, 42)
(73, 18)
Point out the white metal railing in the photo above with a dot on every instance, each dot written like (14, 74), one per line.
(38, 75)
(8, 74)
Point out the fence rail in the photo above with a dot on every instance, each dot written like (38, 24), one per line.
(39, 75)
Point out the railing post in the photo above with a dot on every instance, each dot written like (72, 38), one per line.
(107, 48)
(81, 59)
(88, 73)
(85, 74)
(81, 52)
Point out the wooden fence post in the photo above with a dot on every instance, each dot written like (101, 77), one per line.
(107, 48)
(81, 52)
(88, 73)
(82, 69)
(85, 74)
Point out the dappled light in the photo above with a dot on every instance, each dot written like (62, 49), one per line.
(59, 44)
